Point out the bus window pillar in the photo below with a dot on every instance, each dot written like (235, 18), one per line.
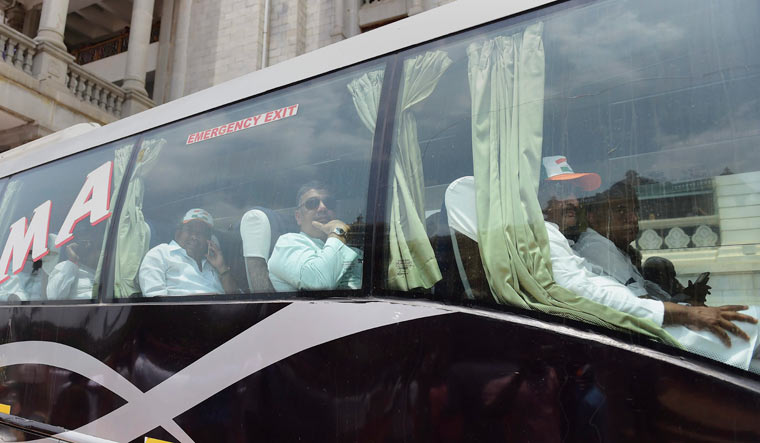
(137, 58)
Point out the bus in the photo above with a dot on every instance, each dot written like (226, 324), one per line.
(398, 237)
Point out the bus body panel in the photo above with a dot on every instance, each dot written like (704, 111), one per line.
(374, 371)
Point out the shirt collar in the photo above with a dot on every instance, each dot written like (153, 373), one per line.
(556, 226)
(316, 240)
(175, 248)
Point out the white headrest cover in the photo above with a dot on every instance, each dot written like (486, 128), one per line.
(256, 234)
(460, 207)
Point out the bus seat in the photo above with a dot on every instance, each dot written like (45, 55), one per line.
(450, 287)
(259, 230)
(459, 215)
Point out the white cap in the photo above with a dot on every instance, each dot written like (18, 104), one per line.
(558, 169)
(199, 214)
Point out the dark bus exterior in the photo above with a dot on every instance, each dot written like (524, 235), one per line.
(426, 333)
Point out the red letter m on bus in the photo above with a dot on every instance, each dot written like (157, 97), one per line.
(21, 240)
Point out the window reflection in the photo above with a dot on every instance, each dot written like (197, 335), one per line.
(243, 165)
(659, 102)
(68, 187)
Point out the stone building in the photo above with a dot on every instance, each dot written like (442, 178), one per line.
(64, 62)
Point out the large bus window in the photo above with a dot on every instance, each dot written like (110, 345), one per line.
(264, 196)
(54, 220)
(595, 162)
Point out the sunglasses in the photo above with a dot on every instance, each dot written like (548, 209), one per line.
(313, 203)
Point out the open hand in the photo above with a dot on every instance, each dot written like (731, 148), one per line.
(719, 320)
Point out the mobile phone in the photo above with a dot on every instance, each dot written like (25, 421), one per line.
(702, 279)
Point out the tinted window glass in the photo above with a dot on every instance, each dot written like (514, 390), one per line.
(212, 196)
(54, 220)
(635, 125)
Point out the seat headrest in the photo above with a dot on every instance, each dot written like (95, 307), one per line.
(260, 228)
(460, 206)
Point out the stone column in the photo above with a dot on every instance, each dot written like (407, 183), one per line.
(53, 22)
(345, 19)
(51, 60)
(414, 7)
(160, 86)
(179, 56)
(134, 76)
(139, 39)
(32, 21)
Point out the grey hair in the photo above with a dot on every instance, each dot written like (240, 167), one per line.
(308, 186)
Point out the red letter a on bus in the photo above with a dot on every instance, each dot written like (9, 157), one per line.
(94, 200)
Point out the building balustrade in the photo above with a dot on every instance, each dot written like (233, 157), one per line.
(679, 233)
(18, 51)
(94, 90)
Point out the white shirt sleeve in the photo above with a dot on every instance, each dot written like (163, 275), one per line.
(569, 272)
(62, 281)
(298, 262)
(152, 274)
(256, 234)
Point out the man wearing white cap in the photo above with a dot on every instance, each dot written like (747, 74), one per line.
(191, 264)
(705, 330)
(700, 329)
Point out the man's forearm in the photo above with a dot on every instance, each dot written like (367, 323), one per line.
(675, 314)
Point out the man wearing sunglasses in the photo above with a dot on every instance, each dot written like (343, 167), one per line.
(317, 258)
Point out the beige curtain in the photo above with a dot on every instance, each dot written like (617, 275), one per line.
(506, 76)
(412, 262)
(120, 159)
(133, 236)
(365, 92)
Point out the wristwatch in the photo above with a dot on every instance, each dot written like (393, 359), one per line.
(340, 232)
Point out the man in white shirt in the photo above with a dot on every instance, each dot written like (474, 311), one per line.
(703, 330)
(72, 279)
(613, 225)
(24, 286)
(191, 264)
(317, 258)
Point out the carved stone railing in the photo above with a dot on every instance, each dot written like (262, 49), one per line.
(679, 233)
(27, 56)
(16, 49)
(94, 90)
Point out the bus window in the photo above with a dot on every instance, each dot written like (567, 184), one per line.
(595, 162)
(54, 221)
(264, 196)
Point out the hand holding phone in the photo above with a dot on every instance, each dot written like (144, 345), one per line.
(698, 290)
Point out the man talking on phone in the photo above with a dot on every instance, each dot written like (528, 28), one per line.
(190, 264)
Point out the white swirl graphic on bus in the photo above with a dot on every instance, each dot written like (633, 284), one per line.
(259, 346)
